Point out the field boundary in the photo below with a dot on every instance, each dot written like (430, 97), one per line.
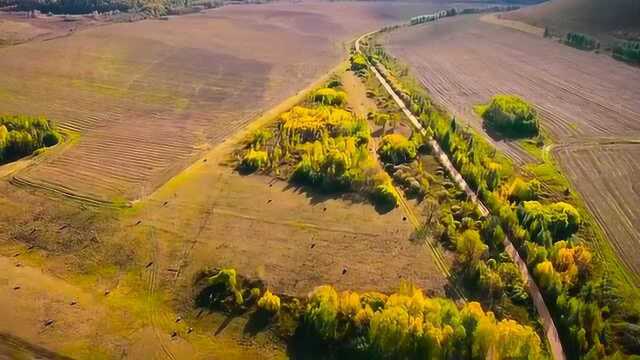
(513, 24)
(549, 327)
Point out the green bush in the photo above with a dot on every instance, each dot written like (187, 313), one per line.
(397, 149)
(330, 96)
(228, 279)
(22, 135)
(358, 63)
(254, 160)
(269, 303)
(558, 220)
(385, 195)
(511, 116)
(521, 190)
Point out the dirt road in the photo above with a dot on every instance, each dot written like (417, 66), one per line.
(549, 327)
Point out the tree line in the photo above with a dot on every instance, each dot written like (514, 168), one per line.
(21, 135)
(591, 309)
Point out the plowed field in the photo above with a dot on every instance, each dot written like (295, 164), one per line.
(583, 98)
(148, 97)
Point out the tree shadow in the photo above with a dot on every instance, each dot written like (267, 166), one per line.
(258, 322)
(317, 196)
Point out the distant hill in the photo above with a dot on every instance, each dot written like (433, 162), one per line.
(596, 17)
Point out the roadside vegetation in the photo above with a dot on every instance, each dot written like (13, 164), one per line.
(21, 135)
(594, 308)
(404, 324)
(481, 270)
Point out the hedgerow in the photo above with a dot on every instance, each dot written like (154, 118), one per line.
(582, 41)
(407, 324)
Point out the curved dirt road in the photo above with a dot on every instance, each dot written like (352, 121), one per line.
(550, 330)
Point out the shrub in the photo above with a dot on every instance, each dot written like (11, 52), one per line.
(560, 219)
(227, 278)
(512, 116)
(358, 63)
(260, 137)
(320, 316)
(521, 190)
(397, 149)
(470, 248)
(254, 160)
(385, 195)
(627, 51)
(269, 303)
(330, 96)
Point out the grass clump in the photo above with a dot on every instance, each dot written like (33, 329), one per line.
(397, 149)
(21, 135)
(329, 96)
(254, 160)
(511, 116)
(269, 303)
(359, 64)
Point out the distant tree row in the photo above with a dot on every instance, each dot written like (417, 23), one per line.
(151, 7)
(582, 41)
(22, 135)
(628, 51)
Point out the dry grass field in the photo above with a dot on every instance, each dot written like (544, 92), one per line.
(149, 97)
(581, 97)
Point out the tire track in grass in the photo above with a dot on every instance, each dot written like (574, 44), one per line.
(151, 280)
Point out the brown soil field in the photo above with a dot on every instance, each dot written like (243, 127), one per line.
(589, 16)
(606, 173)
(17, 27)
(582, 98)
(149, 97)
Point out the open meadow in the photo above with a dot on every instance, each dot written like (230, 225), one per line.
(582, 98)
